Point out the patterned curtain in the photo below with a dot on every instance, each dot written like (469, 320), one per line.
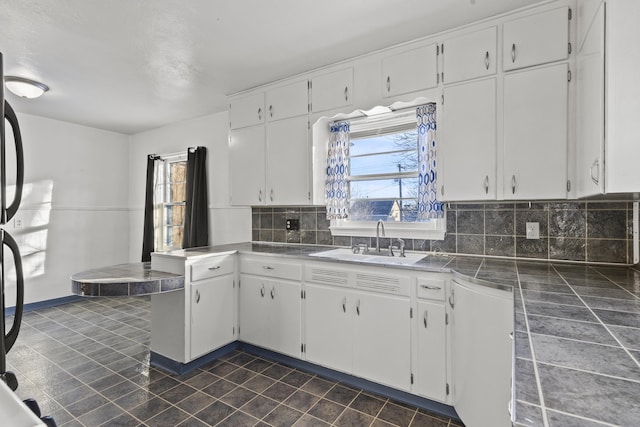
(428, 205)
(336, 186)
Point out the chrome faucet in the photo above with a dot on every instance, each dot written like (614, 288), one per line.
(380, 223)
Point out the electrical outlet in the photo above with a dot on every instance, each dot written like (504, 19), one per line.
(293, 224)
(533, 230)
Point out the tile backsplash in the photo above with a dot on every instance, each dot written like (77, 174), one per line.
(576, 231)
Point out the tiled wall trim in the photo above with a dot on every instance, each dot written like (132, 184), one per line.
(575, 231)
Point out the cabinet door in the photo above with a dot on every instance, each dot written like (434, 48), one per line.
(536, 39)
(254, 309)
(432, 350)
(470, 56)
(382, 343)
(409, 71)
(247, 166)
(535, 133)
(288, 162)
(246, 111)
(212, 314)
(469, 141)
(590, 111)
(288, 101)
(284, 317)
(332, 90)
(482, 321)
(329, 327)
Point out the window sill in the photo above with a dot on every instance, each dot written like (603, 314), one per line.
(427, 231)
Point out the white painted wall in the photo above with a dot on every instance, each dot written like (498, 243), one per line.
(227, 224)
(74, 211)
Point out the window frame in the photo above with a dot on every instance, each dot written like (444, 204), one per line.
(365, 124)
(162, 201)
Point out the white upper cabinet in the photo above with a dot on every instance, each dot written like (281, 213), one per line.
(247, 166)
(287, 162)
(536, 39)
(469, 141)
(288, 101)
(535, 133)
(409, 71)
(247, 111)
(332, 90)
(469, 56)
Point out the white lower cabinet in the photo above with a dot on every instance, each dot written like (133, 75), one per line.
(432, 350)
(211, 298)
(482, 329)
(363, 333)
(270, 314)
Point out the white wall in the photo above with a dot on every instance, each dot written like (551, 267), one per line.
(226, 224)
(74, 212)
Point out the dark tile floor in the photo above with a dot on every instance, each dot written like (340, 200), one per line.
(87, 364)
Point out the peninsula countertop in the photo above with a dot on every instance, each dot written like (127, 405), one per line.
(577, 331)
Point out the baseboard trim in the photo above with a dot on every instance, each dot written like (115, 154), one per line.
(10, 311)
(178, 368)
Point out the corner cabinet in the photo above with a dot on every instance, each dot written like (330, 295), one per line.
(482, 329)
(608, 99)
(270, 161)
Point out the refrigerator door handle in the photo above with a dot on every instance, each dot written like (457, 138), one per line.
(10, 337)
(9, 211)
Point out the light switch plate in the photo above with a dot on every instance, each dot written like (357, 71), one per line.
(533, 230)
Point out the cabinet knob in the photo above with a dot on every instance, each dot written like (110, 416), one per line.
(273, 292)
(425, 319)
(513, 184)
(595, 166)
(214, 267)
(358, 307)
(388, 83)
(262, 291)
(197, 296)
(486, 184)
(260, 195)
(270, 110)
(267, 267)
(486, 60)
(344, 305)
(271, 195)
(259, 113)
(346, 93)
(430, 287)
(513, 53)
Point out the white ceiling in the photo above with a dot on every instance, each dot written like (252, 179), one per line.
(129, 66)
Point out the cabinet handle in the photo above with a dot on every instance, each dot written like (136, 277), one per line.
(344, 305)
(259, 113)
(271, 195)
(346, 93)
(267, 267)
(197, 296)
(513, 53)
(273, 292)
(595, 178)
(451, 301)
(388, 83)
(442, 190)
(431, 288)
(513, 184)
(271, 110)
(262, 291)
(260, 195)
(214, 268)
(425, 318)
(486, 60)
(486, 184)
(358, 307)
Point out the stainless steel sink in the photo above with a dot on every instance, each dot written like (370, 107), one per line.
(380, 258)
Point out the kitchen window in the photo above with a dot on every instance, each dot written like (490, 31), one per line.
(383, 167)
(170, 199)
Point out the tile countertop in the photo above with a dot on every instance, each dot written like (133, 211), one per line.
(577, 333)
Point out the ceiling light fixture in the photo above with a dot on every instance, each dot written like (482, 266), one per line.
(25, 88)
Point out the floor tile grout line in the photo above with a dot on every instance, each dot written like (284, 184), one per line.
(586, 371)
(604, 423)
(637, 362)
(577, 340)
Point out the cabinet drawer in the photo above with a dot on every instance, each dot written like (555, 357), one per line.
(271, 267)
(212, 267)
(536, 39)
(431, 288)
